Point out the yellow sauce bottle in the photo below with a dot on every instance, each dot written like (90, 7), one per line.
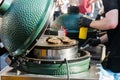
(83, 32)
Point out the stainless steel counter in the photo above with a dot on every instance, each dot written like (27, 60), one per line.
(8, 73)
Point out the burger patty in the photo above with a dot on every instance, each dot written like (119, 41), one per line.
(53, 40)
(60, 40)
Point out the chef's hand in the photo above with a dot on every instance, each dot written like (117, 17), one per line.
(85, 21)
(93, 42)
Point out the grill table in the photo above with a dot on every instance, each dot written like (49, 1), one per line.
(8, 73)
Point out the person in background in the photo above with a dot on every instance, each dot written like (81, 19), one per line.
(99, 6)
(57, 12)
(64, 6)
(110, 66)
(66, 21)
(99, 9)
(86, 7)
(74, 2)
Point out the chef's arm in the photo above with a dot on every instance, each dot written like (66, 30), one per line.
(110, 21)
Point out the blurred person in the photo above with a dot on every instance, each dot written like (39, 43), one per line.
(86, 7)
(66, 21)
(64, 6)
(110, 66)
(74, 2)
(99, 9)
(57, 12)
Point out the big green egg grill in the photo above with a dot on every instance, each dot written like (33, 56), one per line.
(23, 23)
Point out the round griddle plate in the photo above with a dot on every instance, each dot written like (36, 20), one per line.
(42, 43)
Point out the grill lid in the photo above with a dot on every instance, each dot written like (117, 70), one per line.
(24, 22)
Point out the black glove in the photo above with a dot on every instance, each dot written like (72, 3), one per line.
(98, 17)
(93, 41)
(85, 21)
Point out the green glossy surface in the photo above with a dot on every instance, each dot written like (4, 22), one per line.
(5, 6)
(23, 22)
(57, 69)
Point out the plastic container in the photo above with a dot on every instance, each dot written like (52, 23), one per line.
(62, 31)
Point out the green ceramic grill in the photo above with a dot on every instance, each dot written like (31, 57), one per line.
(23, 21)
(57, 67)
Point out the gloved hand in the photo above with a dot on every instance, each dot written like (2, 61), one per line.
(98, 17)
(93, 42)
(85, 21)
